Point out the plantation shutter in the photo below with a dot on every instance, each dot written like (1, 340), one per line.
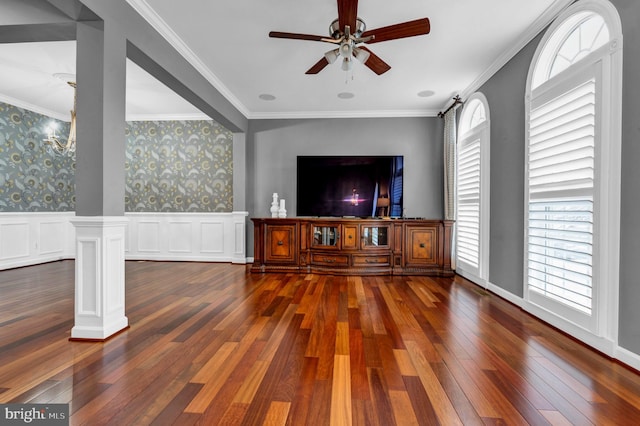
(468, 219)
(561, 196)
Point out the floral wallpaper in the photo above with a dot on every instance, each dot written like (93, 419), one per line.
(178, 166)
(31, 179)
(171, 166)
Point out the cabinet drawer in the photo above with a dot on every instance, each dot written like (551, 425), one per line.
(330, 259)
(380, 260)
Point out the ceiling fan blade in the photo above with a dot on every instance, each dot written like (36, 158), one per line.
(405, 29)
(319, 66)
(374, 62)
(296, 36)
(347, 13)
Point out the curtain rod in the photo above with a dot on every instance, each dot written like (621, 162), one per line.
(456, 101)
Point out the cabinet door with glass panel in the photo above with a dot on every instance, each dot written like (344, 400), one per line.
(325, 236)
(375, 236)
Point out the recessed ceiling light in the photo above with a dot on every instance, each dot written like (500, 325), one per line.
(426, 93)
(267, 97)
(346, 95)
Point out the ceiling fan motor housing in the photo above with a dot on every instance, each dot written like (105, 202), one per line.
(336, 32)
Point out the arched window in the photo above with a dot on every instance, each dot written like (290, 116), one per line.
(472, 191)
(572, 182)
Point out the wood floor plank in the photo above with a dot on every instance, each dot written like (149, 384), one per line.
(472, 392)
(225, 394)
(301, 402)
(358, 367)
(341, 411)
(175, 408)
(212, 344)
(437, 395)
(420, 402)
(402, 408)
(277, 414)
(380, 398)
(265, 382)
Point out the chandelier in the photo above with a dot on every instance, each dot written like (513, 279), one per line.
(58, 146)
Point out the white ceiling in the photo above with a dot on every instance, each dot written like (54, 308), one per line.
(228, 43)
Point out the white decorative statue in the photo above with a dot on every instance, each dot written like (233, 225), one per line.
(282, 212)
(274, 205)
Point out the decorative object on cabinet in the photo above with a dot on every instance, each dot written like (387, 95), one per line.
(352, 246)
(274, 205)
(282, 212)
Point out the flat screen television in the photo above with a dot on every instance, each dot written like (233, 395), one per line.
(349, 186)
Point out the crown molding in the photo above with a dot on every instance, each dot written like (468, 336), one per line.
(341, 114)
(130, 117)
(168, 117)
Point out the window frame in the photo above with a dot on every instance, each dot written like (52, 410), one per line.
(601, 332)
(481, 131)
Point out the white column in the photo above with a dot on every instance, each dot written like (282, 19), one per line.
(100, 291)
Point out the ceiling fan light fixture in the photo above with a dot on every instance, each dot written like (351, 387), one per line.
(347, 64)
(332, 55)
(361, 54)
(346, 50)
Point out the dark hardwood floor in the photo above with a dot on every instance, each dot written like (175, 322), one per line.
(213, 344)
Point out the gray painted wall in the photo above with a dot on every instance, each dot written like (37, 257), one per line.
(273, 146)
(505, 95)
(629, 337)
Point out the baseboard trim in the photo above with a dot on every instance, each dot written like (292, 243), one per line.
(604, 347)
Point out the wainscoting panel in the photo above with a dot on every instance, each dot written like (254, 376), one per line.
(181, 237)
(88, 303)
(32, 238)
(147, 235)
(53, 236)
(212, 237)
(201, 237)
(14, 238)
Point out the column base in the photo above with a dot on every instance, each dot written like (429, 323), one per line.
(99, 293)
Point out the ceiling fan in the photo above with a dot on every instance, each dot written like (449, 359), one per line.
(348, 32)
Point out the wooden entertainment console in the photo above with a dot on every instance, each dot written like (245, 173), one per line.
(351, 246)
